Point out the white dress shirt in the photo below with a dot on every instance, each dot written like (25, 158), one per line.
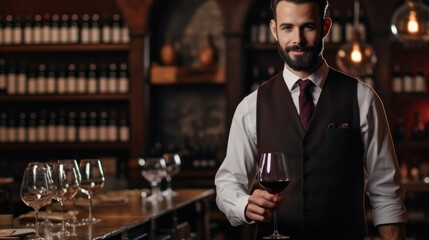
(236, 175)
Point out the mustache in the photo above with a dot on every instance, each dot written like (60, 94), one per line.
(299, 48)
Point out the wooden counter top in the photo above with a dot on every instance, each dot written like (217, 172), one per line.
(135, 219)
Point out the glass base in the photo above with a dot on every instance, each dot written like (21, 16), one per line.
(64, 233)
(276, 236)
(90, 220)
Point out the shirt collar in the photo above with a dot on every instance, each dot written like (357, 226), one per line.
(318, 77)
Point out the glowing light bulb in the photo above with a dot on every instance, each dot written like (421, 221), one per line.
(412, 25)
(356, 55)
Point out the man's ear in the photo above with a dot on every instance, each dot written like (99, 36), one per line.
(327, 23)
(273, 29)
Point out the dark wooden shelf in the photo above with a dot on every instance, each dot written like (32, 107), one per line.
(64, 146)
(65, 97)
(416, 186)
(65, 48)
(172, 75)
(412, 144)
(411, 96)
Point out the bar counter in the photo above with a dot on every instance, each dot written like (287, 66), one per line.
(173, 217)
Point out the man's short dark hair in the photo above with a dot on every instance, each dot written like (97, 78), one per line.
(323, 5)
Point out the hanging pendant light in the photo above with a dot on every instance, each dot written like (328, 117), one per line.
(410, 22)
(356, 57)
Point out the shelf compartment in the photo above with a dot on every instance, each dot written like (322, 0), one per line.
(65, 97)
(65, 48)
(164, 75)
(65, 146)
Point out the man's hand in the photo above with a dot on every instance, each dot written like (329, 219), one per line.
(261, 205)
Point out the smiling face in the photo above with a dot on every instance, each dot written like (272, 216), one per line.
(299, 32)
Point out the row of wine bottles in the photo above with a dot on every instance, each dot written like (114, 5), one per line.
(62, 29)
(63, 126)
(63, 78)
(419, 130)
(408, 81)
(341, 30)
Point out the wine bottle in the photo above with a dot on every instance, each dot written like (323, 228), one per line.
(3, 127)
(1, 29)
(61, 128)
(28, 30)
(41, 127)
(397, 84)
(84, 29)
(417, 132)
(51, 86)
(336, 33)
(92, 127)
(349, 26)
(408, 81)
(102, 79)
(64, 29)
(11, 78)
(400, 132)
(95, 29)
(123, 81)
(41, 79)
(263, 27)
(125, 33)
(21, 87)
(32, 128)
(11, 130)
(46, 28)
(71, 131)
(3, 81)
(52, 127)
(61, 80)
(37, 29)
(81, 80)
(17, 30)
(73, 35)
(83, 127)
(92, 79)
(32, 80)
(71, 79)
(55, 29)
(7, 30)
(21, 129)
(116, 29)
(112, 133)
(124, 129)
(102, 127)
(106, 32)
(112, 79)
(419, 80)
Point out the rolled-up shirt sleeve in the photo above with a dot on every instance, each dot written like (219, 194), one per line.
(235, 177)
(384, 189)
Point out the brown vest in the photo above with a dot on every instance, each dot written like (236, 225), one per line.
(326, 192)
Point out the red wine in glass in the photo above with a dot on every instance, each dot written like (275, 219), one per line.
(274, 177)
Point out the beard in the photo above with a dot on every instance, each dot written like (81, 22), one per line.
(301, 63)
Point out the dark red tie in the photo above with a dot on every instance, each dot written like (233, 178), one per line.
(306, 105)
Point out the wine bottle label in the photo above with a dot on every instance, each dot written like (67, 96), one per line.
(83, 133)
(73, 34)
(95, 35)
(22, 84)
(11, 83)
(71, 85)
(419, 83)
(262, 33)
(17, 35)
(46, 34)
(41, 89)
(61, 85)
(32, 86)
(102, 85)
(111, 88)
(21, 134)
(37, 35)
(55, 35)
(32, 134)
(3, 133)
(102, 133)
(397, 85)
(50, 88)
(125, 34)
(41, 134)
(92, 85)
(11, 134)
(28, 32)
(124, 134)
(408, 84)
(92, 133)
(116, 34)
(63, 35)
(71, 133)
(61, 133)
(336, 33)
(84, 35)
(112, 133)
(123, 85)
(7, 35)
(51, 132)
(81, 86)
(106, 34)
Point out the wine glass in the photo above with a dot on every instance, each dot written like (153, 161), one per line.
(73, 162)
(172, 162)
(153, 170)
(92, 180)
(65, 186)
(36, 189)
(274, 177)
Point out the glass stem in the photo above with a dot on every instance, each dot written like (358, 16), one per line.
(168, 180)
(36, 215)
(90, 207)
(276, 232)
(63, 228)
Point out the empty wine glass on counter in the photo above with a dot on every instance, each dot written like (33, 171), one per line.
(65, 186)
(154, 170)
(172, 162)
(92, 180)
(36, 189)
